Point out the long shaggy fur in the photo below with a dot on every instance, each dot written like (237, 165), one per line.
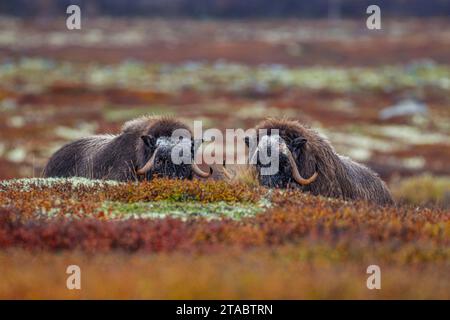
(114, 157)
(338, 176)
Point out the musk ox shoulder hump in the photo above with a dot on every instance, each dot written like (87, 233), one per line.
(153, 125)
(138, 124)
(290, 129)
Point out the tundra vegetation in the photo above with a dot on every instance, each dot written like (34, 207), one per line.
(223, 230)
(209, 239)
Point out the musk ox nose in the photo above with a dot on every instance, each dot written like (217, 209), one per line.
(164, 160)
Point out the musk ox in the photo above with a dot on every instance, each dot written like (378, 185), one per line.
(309, 162)
(142, 150)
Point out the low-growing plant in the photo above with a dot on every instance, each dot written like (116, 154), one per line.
(423, 190)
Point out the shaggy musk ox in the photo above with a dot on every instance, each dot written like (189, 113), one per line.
(308, 161)
(143, 149)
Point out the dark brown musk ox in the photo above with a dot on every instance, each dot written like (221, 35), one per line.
(142, 150)
(308, 161)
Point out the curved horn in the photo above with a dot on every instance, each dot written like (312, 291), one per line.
(226, 173)
(149, 165)
(295, 174)
(199, 171)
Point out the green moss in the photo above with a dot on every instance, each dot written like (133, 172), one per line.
(183, 210)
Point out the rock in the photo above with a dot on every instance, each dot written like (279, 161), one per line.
(407, 107)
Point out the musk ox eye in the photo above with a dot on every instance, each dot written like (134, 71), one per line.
(149, 141)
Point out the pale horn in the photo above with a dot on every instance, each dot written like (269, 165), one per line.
(199, 171)
(295, 174)
(226, 173)
(149, 165)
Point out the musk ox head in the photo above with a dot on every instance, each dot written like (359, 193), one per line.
(167, 149)
(277, 152)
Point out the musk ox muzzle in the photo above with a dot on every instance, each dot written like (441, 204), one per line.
(172, 157)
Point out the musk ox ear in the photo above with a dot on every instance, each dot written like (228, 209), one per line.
(298, 143)
(149, 141)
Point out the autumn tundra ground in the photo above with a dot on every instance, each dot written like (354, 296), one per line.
(216, 239)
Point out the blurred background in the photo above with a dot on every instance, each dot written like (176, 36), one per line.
(381, 96)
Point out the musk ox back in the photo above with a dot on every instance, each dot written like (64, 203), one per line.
(142, 150)
(309, 162)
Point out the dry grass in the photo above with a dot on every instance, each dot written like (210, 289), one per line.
(423, 190)
(246, 175)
